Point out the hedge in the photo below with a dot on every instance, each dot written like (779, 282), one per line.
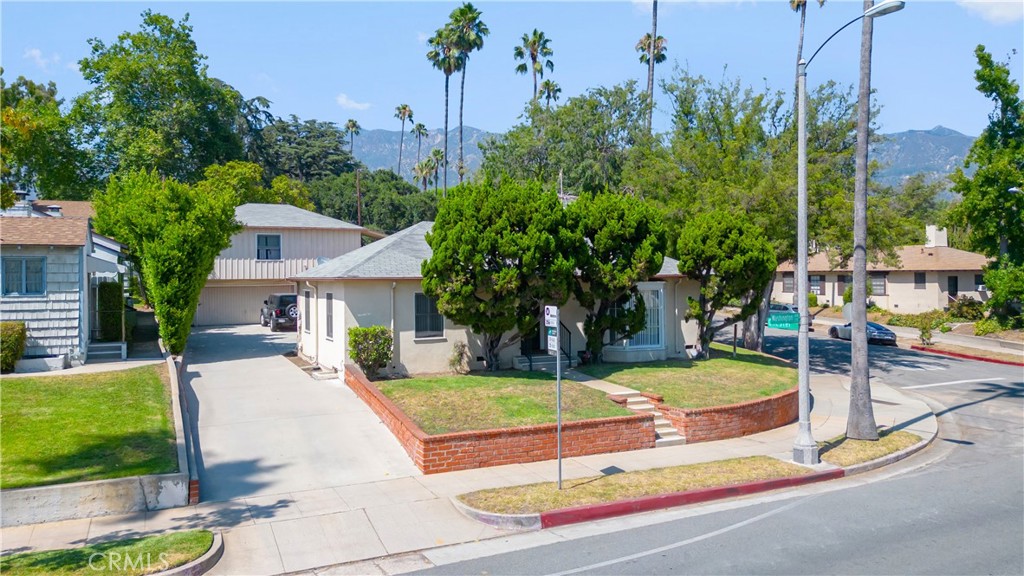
(371, 348)
(12, 344)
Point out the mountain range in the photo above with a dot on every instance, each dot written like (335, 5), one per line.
(937, 152)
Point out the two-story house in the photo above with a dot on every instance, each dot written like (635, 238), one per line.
(278, 241)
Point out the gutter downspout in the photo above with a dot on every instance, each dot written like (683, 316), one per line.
(316, 331)
(394, 340)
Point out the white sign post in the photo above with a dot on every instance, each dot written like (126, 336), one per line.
(551, 324)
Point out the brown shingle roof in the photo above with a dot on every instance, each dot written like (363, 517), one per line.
(44, 231)
(68, 208)
(912, 258)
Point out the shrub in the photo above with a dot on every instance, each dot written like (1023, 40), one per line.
(812, 300)
(932, 319)
(12, 344)
(926, 335)
(848, 293)
(458, 362)
(994, 324)
(967, 308)
(370, 348)
(945, 328)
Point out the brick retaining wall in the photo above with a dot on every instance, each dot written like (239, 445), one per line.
(478, 449)
(720, 422)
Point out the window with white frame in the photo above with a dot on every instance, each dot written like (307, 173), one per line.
(429, 322)
(329, 309)
(653, 334)
(24, 276)
(268, 246)
(817, 284)
(878, 283)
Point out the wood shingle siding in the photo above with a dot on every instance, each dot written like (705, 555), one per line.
(51, 319)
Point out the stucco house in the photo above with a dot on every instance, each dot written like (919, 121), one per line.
(927, 277)
(380, 285)
(278, 241)
(49, 265)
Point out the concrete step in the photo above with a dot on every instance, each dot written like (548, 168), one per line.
(669, 441)
(105, 346)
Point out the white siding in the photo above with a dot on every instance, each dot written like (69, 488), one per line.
(300, 249)
(52, 320)
(234, 304)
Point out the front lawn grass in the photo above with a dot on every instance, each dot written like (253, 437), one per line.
(536, 498)
(133, 557)
(56, 429)
(718, 381)
(842, 451)
(487, 400)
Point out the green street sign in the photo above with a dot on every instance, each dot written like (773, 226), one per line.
(784, 321)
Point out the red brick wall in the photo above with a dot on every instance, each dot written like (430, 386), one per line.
(720, 422)
(464, 450)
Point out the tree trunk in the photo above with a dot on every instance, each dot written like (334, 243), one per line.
(401, 144)
(492, 349)
(419, 143)
(753, 327)
(534, 80)
(861, 422)
(650, 63)
(444, 162)
(462, 98)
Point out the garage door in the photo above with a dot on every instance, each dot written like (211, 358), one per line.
(234, 304)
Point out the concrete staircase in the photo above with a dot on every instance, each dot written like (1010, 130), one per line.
(106, 352)
(664, 432)
(541, 363)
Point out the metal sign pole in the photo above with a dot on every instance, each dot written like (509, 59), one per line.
(553, 327)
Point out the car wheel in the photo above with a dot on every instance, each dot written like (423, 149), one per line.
(833, 333)
(263, 319)
(273, 325)
(292, 311)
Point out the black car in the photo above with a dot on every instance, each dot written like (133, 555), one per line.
(280, 311)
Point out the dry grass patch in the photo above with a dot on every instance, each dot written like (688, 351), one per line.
(440, 404)
(719, 381)
(1008, 356)
(134, 557)
(841, 451)
(536, 498)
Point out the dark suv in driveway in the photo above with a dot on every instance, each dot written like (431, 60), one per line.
(280, 311)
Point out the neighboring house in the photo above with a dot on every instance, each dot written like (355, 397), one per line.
(926, 278)
(381, 284)
(47, 265)
(278, 241)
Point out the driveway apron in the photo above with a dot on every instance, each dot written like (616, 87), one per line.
(265, 427)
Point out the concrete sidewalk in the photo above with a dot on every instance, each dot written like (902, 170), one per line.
(978, 342)
(346, 523)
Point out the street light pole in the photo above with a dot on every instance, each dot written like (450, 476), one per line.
(805, 449)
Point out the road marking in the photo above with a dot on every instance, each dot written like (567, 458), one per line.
(718, 532)
(951, 383)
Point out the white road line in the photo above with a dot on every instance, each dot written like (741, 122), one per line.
(951, 383)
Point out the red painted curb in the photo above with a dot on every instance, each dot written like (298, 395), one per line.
(589, 512)
(965, 356)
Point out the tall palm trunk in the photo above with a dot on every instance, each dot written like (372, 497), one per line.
(444, 162)
(419, 143)
(650, 63)
(401, 144)
(352, 144)
(462, 98)
(534, 68)
(861, 422)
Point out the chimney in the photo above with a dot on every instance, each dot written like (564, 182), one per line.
(935, 237)
(53, 210)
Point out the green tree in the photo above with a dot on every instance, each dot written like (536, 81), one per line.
(444, 56)
(549, 90)
(731, 258)
(535, 48)
(390, 203)
(153, 106)
(352, 128)
(419, 131)
(423, 171)
(620, 241)
(497, 258)
(304, 150)
(403, 112)
(437, 157)
(469, 32)
(245, 182)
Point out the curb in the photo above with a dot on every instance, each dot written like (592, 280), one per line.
(204, 563)
(891, 458)
(519, 522)
(920, 348)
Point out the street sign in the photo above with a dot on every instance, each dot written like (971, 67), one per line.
(551, 316)
(553, 341)
(784, 320)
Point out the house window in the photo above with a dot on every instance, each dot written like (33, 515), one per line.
(429, 322)
(817, 284)
(305, 312)
(330, 315)
(652, 336)
(841, 281)
(878, 284)
(24, 276)
(268, 246)
(979, 280)
(787, 282)
(919, 280)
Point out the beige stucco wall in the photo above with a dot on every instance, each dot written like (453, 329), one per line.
(299, 250)
(900, 294)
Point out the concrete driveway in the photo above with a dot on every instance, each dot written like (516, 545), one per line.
(266, 428)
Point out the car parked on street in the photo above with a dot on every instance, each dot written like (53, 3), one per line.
(280, 311)
(876, 333)
(776, 308)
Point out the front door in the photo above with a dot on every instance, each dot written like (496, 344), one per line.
(953, 286)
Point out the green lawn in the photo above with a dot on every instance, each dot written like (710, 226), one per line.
(482, 401)
(56, 429)
(718, 381)
(123, 557)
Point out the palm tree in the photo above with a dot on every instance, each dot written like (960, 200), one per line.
(469, 33)
(648, 51)
(801, 7)
(437, 157)
(352, 127)
(419, 131)
(444, 56)
(403, 113)
(549, 90)
(860, 424)
(535, 48)
(422, 171)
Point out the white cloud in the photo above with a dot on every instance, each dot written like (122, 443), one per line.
(995, 11)
(39, 59)
(422, 37)
(349, 104)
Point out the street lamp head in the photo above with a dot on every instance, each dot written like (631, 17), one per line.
(884, 7)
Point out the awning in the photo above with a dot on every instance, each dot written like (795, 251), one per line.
(94, 264)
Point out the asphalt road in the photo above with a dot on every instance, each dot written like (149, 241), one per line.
(963, 513)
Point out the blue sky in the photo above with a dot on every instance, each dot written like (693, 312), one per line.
(338, 60)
